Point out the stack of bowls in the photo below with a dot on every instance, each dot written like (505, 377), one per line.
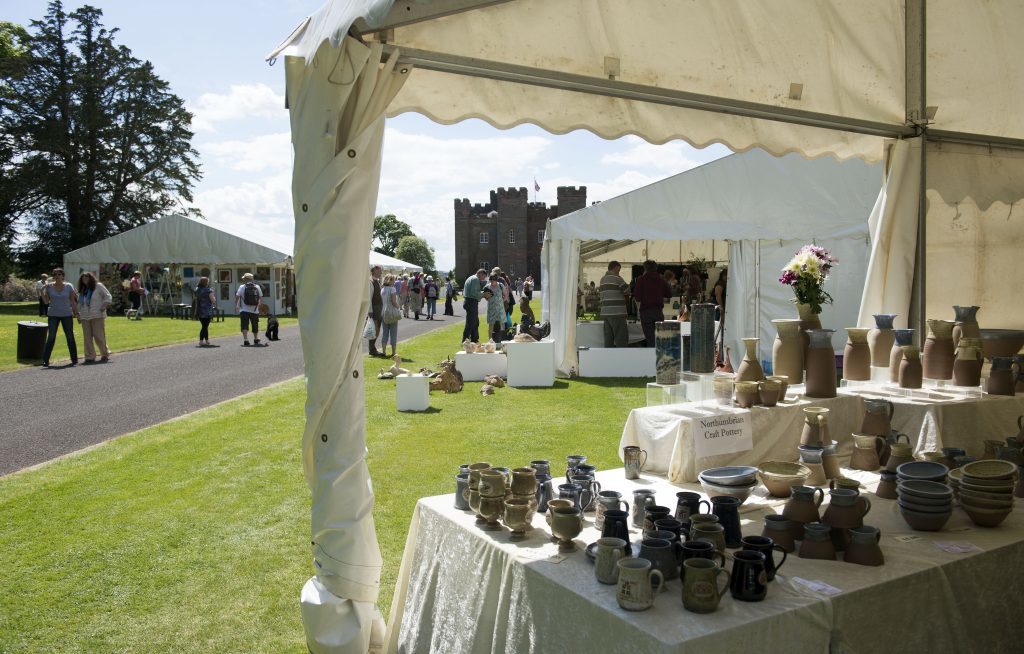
(986, 491)
(922, 470)
(779, 477)
(735, 481)
(925, 505)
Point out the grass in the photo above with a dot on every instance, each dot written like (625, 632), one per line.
(122, 335)
(193, 535)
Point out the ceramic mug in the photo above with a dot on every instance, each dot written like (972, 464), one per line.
(571, 462)
(609, 551)
(713, 533)
(689, 503)
(616, 525)
(607, 499)
(634, 459)
(642, 498)
(701, 592)
(766, 546)
(635, 589)
(749, 579)
(462, 491)
(655, 513)
(699, 549)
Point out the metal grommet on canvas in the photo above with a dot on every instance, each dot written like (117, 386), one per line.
(355, 374)
(323, 437)
(305, 207)
(404, 71)
(351, 154)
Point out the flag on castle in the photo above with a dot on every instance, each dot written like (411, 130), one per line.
(536, 186)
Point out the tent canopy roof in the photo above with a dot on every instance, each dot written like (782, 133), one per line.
(391, 263)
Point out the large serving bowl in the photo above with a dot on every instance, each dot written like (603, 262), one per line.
(731, 475)
(986, 503)
(926, 489)
(779, 477)
(1001, 342)
(925, 521)
(989, 469)
(716, 490)
(1006, 487)
(985, 517)
(985, 495)
(906, 504)
(924, 470)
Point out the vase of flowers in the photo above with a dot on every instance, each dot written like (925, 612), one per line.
(806, 273)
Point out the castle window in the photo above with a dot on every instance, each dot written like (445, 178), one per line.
(485, 238)
(540, 236)
(512, 236)
(486, 265)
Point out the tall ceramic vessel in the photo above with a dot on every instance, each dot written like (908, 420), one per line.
(808, 320)
(910, 368)
(821, 364)
(788, 351)
(702, 338)
(902, 337)
(966, 323)
(880, 339)
(967, 366)
(1002, 378)
(857, 355)
(750, 368)
(668, 351)
(938, 350)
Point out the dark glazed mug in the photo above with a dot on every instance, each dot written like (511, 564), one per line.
(766, 546)
(688, 503)
(616, 525)
(749, 581)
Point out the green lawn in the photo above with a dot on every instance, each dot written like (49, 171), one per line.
(122, 334)
(193, 535)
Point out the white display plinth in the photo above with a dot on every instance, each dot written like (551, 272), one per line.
(880, 374)
(531, 364)
(617, 362)
(699, 385)
(659, 394)
(477, 365)
(412, 392)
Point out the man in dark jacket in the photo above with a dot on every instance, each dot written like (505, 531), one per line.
(650, 292)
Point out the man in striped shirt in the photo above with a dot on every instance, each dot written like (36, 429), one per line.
(613, 291)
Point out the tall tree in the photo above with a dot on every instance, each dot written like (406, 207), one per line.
(99, 142)
(388, 230)
(12, 203)
(414, 249)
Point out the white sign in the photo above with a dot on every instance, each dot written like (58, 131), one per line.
(724, 433)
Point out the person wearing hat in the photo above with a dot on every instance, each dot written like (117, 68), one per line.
(416, 295)
(248, 299)
(430, 290)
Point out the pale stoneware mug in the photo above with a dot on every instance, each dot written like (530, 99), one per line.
(609, 551)
(635, 591)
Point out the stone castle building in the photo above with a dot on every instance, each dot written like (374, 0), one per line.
(508, 232)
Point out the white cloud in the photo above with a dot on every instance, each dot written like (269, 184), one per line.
(266, 152)
(258, 209)
(243, 101)
(669, 157)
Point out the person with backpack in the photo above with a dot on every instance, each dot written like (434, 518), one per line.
(416, 295)
(206, 302)
(248, 299)
(430, 290)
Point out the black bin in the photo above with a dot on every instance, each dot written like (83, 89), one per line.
(31, 339)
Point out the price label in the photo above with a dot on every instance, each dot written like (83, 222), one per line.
(957, 546)
(817, 586)
(907, 539)
(724, 433)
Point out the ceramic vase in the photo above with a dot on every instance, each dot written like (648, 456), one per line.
(702, 338)
(881, 338)
(910, 368)
(808, 320)
(938, 355)
(1002, 377)
(821, 364)
(967, 366)
(901, 337)
(750, 368)
(668, 351)
(815, 430)
(747, 394)
(966, 319)
(857, 355)
(877, 417)
(788, 351)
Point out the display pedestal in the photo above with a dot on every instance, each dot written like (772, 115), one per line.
(617, 362)
(477, 365)
(412, 392)
(531, 364)
(659, 394)
(880, 375)
(699, 385)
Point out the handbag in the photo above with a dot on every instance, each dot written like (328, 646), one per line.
(369, 329)
(392, 314)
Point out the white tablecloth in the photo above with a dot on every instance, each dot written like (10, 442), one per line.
(461, 589)
(941, 421)
(590, 333)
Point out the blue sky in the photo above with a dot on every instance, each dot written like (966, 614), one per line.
(212, 53)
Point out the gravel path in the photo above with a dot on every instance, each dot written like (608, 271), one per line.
(41, 416)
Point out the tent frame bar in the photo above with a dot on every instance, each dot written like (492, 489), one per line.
(411, 12)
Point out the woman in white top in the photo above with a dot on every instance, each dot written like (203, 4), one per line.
(93, 300)
(390, 315)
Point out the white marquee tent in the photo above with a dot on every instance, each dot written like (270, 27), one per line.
(766, 206)
(935, 96)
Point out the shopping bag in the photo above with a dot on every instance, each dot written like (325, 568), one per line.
(369, 329)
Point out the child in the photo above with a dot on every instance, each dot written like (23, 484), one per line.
(528, 319)
(272, 325)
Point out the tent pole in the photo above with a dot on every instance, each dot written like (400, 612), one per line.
(916, 109)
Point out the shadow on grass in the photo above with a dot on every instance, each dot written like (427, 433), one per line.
(19, 309)
(614, 382)
(431, 409)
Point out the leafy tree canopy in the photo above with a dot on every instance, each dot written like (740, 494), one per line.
(414, 249)
(388, 230)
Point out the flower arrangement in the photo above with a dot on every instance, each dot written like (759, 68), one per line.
(806, 272)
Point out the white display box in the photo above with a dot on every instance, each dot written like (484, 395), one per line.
(531, 364)
(659, 394)
(617, 362)
(412, 392)
(477, 365)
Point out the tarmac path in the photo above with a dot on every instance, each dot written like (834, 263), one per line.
(42, 417)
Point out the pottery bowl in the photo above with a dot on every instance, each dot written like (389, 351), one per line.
(986, 517)
(929, 489)
(989, 469)
(927, 470)
(925, 521)
(715, 490)
(1001, 342)
(779, 477)
(731, 475)
(983, 503)
(985, 495)
(924, 508)
(925, 501)
(1006, 488)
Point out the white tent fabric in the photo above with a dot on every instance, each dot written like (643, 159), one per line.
(390, 263)
(176, 239)
(752, 196)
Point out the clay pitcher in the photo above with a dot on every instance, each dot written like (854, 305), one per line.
(967, 366)
(1002, 378)
(910, 368)
(938, 355)
(877, 417)
(815, 432)
(901, 337)
(808, 320)
(966, 323)
(865, 452)
(881, 339)
(750, 368)
(802, 508)
(821, 364)
(788, 351)
(857, 355)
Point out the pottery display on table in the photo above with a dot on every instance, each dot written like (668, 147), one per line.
(911, 369)
(701, 592)
(857, 355)
(925, 505)
(788, 350)
(821, 364)
(802, 508)
(750, 368)
(779, 477)
(778, 528)
(667, 351)
(815, 430)
(770, 391)
(817, 542)
(863, 548)
(635, 590)
(986, 491)
(967, 365)
(1002, 377)
(965, 323)
(937, 357)
(881, 338)
(747, 394)
(901, 337)
(702, 337)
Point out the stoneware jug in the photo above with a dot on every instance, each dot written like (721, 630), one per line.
(1002, 377)
(966, 323)
(689, 503)
(778, 529)
(788, 351)
(750, 368)
(635, 587)
(967, 366)
(901, 337)
(701, 592)
(865, 452)
(727, 508)
(821, 364)
(802, 508)
(911, 370)
(857, 355)
(817, 542)
(938, 350)
(633, 459)
(863, 548)
(815, 431)
(877, 417)
(881, 338)
(749, 579)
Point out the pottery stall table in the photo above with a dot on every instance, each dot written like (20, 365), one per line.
(461, 589)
